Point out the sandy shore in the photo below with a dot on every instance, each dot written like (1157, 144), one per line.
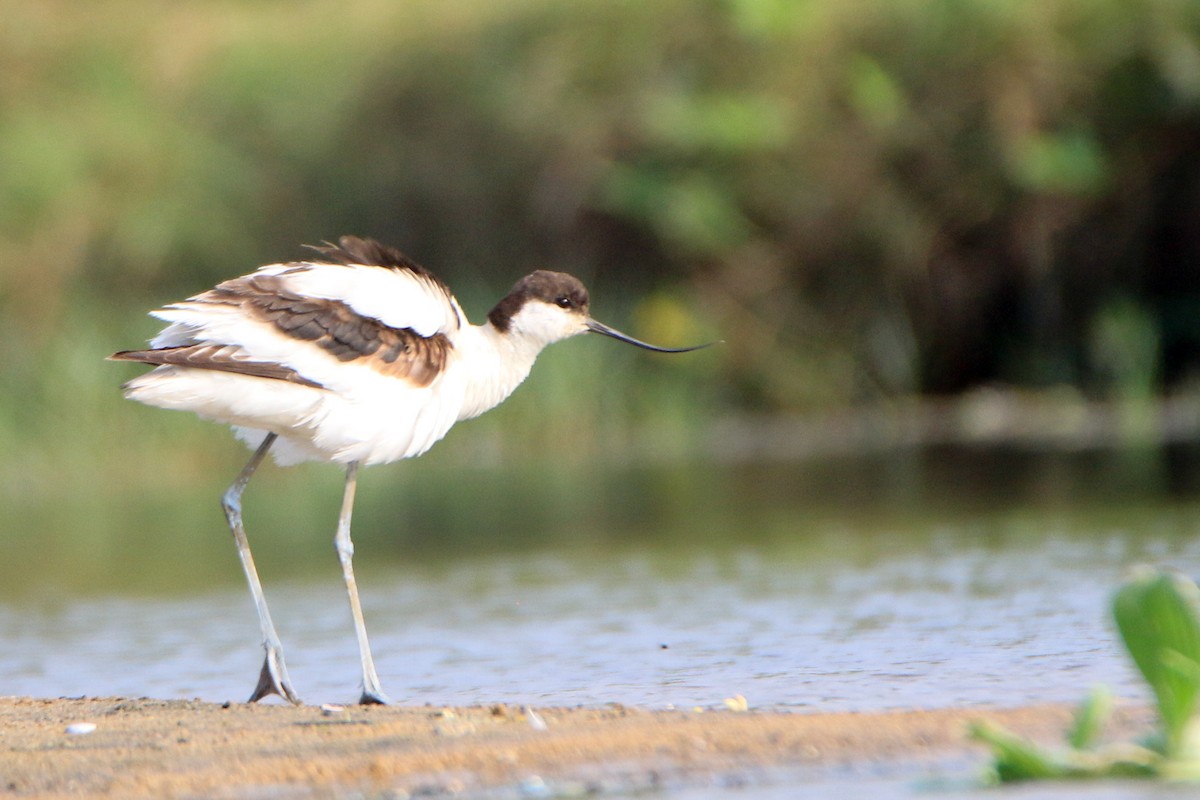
(152, 748)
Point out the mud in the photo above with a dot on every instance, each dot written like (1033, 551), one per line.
(153, 748)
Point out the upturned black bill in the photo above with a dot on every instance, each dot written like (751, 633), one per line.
(599, 327)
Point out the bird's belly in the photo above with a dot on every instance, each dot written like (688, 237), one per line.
(375, 433)
(379, 423)
(227, 397)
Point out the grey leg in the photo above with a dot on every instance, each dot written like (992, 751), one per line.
(372, 692)
(274, 678)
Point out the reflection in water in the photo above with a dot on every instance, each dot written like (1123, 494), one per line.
(919, 580)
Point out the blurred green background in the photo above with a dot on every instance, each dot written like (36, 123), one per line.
(908, 221)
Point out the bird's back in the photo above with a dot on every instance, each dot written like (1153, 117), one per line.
(345, 360)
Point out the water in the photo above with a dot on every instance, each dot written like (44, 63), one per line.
(968, 617)
(966, 579)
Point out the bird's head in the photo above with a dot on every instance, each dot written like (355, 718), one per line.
(547, 307)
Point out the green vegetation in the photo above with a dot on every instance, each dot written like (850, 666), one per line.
(1158, 616)
(866, 201)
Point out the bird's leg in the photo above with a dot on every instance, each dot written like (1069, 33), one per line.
(274, 678)
(372, 692)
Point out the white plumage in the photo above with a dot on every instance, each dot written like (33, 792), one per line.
(358, 357)
(360, 414)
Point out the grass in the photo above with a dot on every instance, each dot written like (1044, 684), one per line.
(1157, 613)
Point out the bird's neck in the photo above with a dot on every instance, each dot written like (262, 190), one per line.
(498, 362)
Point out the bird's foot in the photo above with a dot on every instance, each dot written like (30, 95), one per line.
(374, 697)
(274, 679)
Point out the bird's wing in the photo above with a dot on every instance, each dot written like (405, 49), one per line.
(379, 282)
(214, 357)
(308, 317)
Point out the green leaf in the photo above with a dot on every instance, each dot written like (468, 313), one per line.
(1158, 616)
(1091, 718)
(1016, 758)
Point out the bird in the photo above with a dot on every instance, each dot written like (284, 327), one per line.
(356, 356)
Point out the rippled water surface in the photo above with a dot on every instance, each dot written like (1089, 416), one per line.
(956, 580)
(940, 617)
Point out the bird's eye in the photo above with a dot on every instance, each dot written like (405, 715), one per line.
(563, 301)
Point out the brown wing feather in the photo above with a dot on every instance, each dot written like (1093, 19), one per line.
(336, 328)
(214, 357)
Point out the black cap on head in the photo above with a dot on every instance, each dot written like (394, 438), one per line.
(557, 288)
